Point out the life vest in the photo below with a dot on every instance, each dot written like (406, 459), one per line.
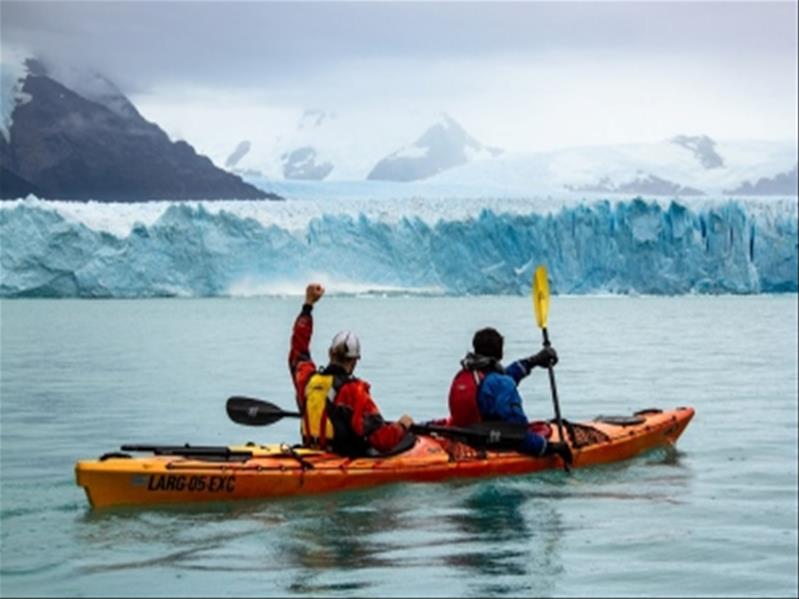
(463, 408)
(320, 396)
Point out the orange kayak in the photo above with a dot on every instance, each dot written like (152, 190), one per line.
(192, 474)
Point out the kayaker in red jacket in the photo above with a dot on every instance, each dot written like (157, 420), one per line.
(338, 411)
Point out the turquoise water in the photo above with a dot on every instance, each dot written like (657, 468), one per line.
(717, 517)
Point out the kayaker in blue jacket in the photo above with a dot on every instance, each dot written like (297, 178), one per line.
(484, 391)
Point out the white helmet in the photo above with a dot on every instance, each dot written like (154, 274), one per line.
(346, 345)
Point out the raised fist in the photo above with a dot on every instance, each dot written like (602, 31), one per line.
(313, 293)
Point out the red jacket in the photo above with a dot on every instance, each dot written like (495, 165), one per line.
(355, 406)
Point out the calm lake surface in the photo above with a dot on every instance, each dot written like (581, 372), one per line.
(717, 517)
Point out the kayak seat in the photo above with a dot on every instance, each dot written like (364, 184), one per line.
(406, 443)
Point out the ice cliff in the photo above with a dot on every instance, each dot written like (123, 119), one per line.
(198, 249)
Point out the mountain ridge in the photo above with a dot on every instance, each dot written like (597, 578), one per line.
(66, 146)
(444, 145)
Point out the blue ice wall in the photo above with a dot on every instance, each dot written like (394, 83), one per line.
(628, 247)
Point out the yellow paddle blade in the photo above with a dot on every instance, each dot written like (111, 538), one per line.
(541, 296)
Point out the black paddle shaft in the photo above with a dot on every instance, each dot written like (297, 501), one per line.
(555, 395)
(257, 412)
(491, 434)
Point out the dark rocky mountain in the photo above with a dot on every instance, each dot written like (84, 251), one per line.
(66, 146)
(780, 184)
(443, 146)
(14, 186)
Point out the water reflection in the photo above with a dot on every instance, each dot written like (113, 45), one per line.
(517, 535)
(502, 538)
(333, 541)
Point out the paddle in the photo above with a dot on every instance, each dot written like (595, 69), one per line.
(256, 412)
(200, 451)
(541, 306)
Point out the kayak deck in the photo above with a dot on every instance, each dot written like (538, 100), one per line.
(266, 471)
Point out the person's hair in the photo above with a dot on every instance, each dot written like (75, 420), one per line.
(488, 342)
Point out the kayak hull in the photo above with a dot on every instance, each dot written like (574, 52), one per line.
(279, 471)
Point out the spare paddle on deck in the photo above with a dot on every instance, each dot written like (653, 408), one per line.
(198, 451)
(256, 412)
(541, 306)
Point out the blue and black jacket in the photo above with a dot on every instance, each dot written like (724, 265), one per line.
(498, 397)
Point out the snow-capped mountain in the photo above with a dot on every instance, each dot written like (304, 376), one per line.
(71, 133)
(326, 145)
(681, 166)
(327, 150)
(301, 160)
(443, 146)
(304, 164)
(780, 184)
(93, 144)
(318, 145)
(642, 184)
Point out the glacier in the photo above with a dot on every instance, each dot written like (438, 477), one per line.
(206, 249)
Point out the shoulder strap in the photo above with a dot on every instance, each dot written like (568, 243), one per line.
(339, 380)
(479, 379)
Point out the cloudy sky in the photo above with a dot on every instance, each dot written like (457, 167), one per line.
(522, 75)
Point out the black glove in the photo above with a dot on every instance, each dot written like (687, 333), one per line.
(547, 356)
(561, 450)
